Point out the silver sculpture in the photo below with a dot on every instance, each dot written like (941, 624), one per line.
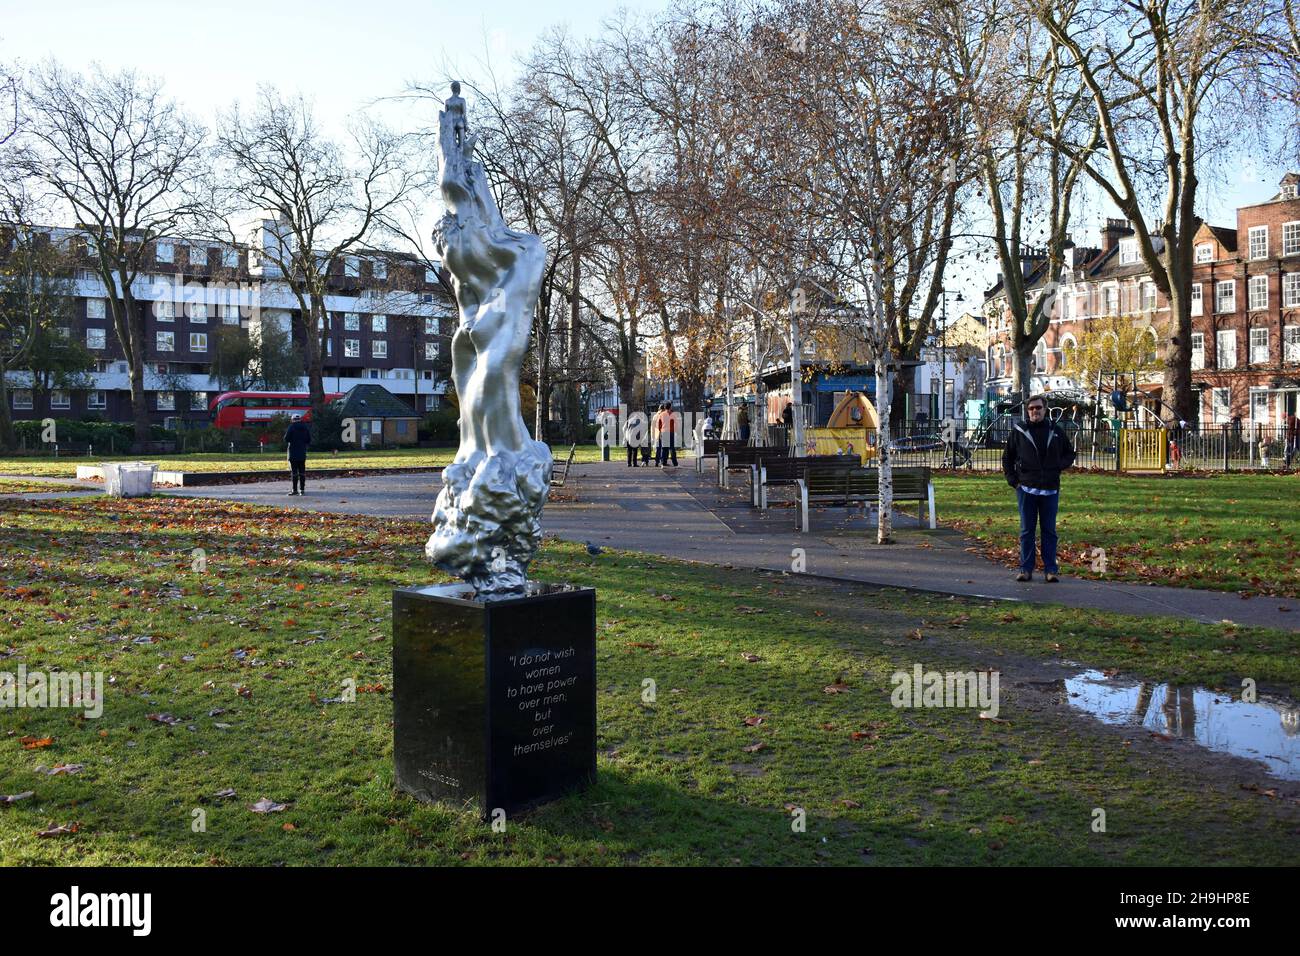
(486, 520)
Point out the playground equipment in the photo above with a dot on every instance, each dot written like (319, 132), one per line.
(851, 430)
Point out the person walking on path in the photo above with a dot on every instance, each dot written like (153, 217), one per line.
(742, 422)
(296, 438)
(1037, 452)
(634, 437)
(666, 423)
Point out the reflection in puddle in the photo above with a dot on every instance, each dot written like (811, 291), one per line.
(1267, 731)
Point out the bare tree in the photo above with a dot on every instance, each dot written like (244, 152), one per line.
(326, 201)
(120, 159)
(1169, 81)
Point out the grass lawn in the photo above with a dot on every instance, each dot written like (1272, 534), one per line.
(9, 486)
(49, 467)
(243, 654)
(1225, 532)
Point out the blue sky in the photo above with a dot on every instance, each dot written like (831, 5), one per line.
(346, 55)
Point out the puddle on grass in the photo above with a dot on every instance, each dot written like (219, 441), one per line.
(1267, 731)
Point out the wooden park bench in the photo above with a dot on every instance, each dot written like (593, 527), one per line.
(783, 469)
(830, 484)
(737, 457)
(708, 448)
(560, 473)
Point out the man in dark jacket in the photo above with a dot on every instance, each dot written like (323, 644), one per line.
(1037, 452)
(296, 438)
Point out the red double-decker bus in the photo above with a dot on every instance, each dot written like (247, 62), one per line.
(256, 409)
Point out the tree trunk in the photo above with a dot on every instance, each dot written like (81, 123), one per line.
(905, 382)
(884, 533)
(1023, 370)
(1178, 358)
(7, 439)
(139, 408)
(313, 350)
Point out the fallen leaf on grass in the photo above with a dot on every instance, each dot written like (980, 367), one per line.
(993, 720)
(167, 719)
(851, 804)
(753, 721)
(752, 658)
(288, 826)
(33, 743)
(916, 635)
(59, 830)
(62, 768)
(754, 748)
(225, 794)
(268, 806)
(836, 689)
(15, 797)
(746, 609)
(643, 645)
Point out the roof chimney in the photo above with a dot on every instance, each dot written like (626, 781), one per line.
(1111, 232)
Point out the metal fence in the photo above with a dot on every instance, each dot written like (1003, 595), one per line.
(1245, 447)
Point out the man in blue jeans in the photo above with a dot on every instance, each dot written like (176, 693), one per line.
(1037, 452)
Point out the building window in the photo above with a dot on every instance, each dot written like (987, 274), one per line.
(86, 275)
(430, 276)
(230, 314)
(1290, 238)
(198, 257)
(230, 258)
(1110, 301)
(1258, 242)
(63, 333)
(1198, 350)
(352, 348)
(1225, 346)
(198, 341)
(164, 252)
(1128, 251)
(1290, 191)
(379, 349)
(1197, 304)
(379, 323)
(351, 322)
(322, 322)
(95, 308)
(431, 326)
(97, 399)
(166, 401)
(165, 310)
(379, 269)
(199, 313)
(1221, 404)
(198, 401)
(1257, 293)
(1148, 296)
(430, 351)
(1291, 343)
(60, 399)
(372, 373)
(1258, 346)
(1291, 290)
(1225, 296)
(329, 347)
(1205, 252)
(430, 402)
(166, 341)
(22, 398)
(1259, 406)
(351, 266)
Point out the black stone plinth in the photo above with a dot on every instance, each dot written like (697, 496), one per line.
(494, 699)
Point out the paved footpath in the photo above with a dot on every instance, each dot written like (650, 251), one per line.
(676, 513)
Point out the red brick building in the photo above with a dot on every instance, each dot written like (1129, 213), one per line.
(1245, 309)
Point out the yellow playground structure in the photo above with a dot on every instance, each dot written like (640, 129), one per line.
(851, 430)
